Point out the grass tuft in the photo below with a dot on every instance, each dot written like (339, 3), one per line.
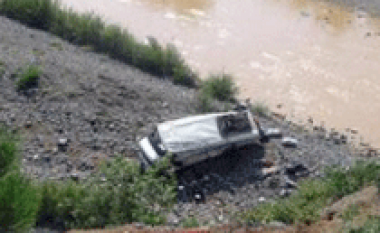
(260, 109)
(190, 222)
(372, 225)
(220, 87)
(9, 157)
(28, 78)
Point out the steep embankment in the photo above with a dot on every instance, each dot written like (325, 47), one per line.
(98, 104)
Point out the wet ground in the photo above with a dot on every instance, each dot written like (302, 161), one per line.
(312, 58)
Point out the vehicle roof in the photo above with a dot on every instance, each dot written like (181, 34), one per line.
(191, 132)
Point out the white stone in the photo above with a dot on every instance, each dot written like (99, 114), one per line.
(288, 141)
(62, 141)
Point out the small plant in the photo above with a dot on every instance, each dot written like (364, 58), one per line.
(56, 45)
(19, 195)
(220, 87)
(314, 195)
(28, 78)
(349, 213)
(190, 222)
(2, 69)
(9, 157)
(372, 225)
(204, 103)
(260, 108)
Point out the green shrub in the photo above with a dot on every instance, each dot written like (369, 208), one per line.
(314, 195)
(372, 225)
(204, 103)
(345, 181)
(190, 222)
(19, 196)
(19, 202)
(9, 157)
(34, 13)
(304, 206)
(260, 108)
(220, 87)
(116, 195)
(29, 77)
(2, 69)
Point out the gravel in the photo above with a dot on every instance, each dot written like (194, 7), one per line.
(88, 108)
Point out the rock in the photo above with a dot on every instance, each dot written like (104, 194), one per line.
(284, 193)
(138, 225)
(295, 168)
(62, 144)
(289, 142)
(273, 132)
(270, 171)
(173, 219)
(364, 144)
(28, 124)
(276, 224)
(279, 115)
(290, 183)
(336, 138)
(74, 176)
(354, 131)
(267, 163)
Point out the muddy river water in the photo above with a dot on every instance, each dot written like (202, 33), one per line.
(310, 58)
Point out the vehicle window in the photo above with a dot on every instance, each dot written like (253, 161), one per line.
(234, 124)
(156, 142)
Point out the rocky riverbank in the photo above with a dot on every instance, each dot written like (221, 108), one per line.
(88, 107)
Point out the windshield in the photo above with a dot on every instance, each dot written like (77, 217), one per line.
(234, 124)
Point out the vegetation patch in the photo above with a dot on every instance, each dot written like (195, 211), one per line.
(19, 195)
(190, 222)
(313, 195)
(117, 194)
(2, 69)
(9, 156)
(220, 87)
(260, 109)
(90, 30)
(28, 78)
(372, 225)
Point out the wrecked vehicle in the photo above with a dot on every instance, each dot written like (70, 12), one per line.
(196, 138)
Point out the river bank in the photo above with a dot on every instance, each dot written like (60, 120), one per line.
(312, 58)
(96, 107)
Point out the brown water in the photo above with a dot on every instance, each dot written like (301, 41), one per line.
(316, 59)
